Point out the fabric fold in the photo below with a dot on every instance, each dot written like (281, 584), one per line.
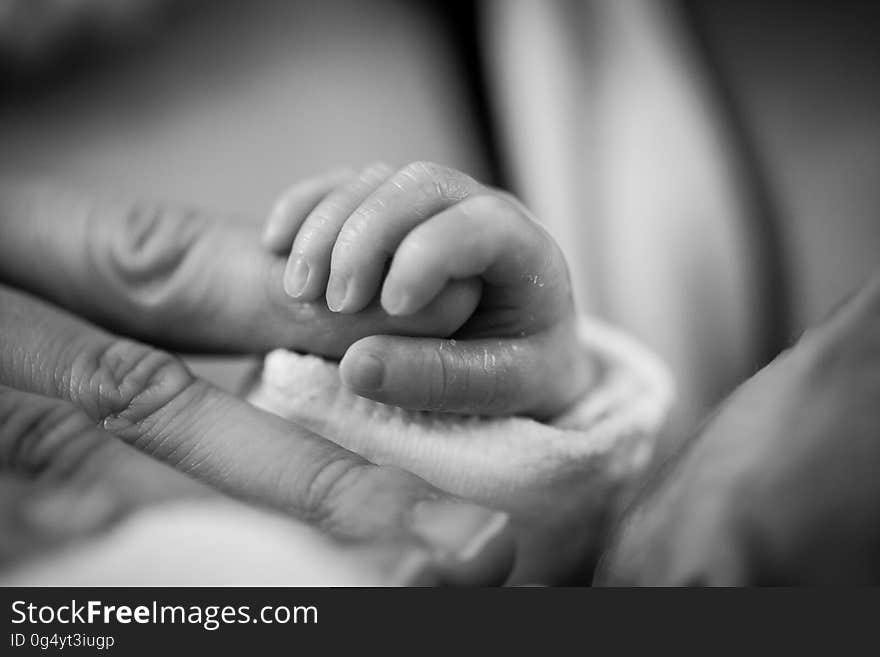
(561, 481)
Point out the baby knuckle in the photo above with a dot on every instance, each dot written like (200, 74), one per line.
(492, 205)
(514, 207)
(356, 233)
(310, 237)
(420, 170)
(434, 181)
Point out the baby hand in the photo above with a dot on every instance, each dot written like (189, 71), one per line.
(400, 238)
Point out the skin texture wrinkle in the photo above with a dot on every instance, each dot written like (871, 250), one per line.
(401, 238)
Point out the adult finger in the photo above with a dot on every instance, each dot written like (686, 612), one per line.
(150, 400)
(64, 480)
(184, 279)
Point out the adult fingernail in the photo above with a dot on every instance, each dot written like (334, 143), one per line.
(337, 288)
(363, 371)
(457, 529)
(296, 275)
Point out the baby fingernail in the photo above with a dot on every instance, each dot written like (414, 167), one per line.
(395, 302)
(463, 531)
(296, 275)
(364, 372)
(337, 288)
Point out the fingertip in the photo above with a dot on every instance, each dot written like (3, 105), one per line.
(337, 291)
(362, 370)
(348, 294)
(473, 545)
(297, 276)
(398, 301)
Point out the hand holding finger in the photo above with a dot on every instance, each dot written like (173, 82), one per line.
(185, 279)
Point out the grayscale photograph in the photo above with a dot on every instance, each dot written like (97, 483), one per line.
(518, 294)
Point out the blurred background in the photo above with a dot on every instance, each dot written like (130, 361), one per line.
(710, 168)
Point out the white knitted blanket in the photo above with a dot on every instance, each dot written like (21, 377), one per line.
(560, 481)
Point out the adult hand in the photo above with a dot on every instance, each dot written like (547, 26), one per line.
(782, 485)
(180, 279)
(80, 507)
